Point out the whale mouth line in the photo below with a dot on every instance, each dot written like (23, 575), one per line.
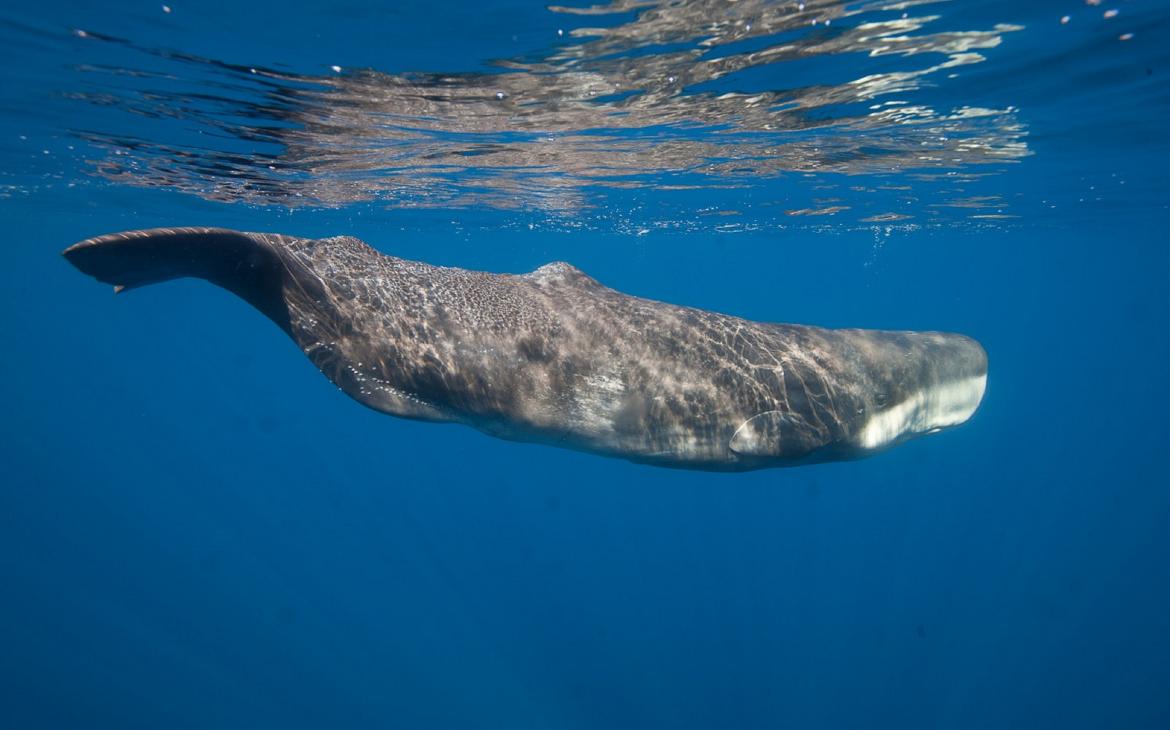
(926, 411)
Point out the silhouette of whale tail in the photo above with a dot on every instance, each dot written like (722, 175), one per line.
(245, 264)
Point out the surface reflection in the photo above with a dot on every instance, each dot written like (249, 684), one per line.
(686, 94)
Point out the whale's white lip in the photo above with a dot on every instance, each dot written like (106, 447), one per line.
(928, 410)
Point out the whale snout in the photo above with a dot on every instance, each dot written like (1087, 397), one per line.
(942, 387)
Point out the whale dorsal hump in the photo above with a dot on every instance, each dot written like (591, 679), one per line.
(561, 273)
(775, 434)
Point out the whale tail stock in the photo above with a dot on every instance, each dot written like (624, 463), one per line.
(246, 264)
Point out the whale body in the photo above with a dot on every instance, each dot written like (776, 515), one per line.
(553, 356)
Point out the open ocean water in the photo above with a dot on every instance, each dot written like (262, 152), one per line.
(198, 531)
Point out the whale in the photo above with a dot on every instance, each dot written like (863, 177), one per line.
(553, 356)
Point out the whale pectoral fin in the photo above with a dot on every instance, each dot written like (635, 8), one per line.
(775, 434)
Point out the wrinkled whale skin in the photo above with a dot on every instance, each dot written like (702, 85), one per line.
(553, 356)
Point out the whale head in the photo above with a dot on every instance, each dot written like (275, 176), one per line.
(932, 381)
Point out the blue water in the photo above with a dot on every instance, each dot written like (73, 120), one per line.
(197, 530)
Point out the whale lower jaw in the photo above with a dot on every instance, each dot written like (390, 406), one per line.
(926, 411)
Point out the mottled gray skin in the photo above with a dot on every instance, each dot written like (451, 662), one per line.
(552, 355)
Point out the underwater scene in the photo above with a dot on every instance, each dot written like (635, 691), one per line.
(662, 364)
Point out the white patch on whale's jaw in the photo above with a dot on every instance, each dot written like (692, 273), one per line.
(927, 411)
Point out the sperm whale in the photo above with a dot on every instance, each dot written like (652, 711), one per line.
(553, 356)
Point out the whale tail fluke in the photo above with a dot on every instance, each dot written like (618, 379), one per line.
(246, 264)
(136, 258)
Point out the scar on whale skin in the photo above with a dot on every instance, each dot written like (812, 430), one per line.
(553, 356)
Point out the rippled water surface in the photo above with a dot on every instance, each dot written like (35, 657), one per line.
(916, 112)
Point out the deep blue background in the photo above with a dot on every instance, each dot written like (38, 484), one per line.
(197, 530)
